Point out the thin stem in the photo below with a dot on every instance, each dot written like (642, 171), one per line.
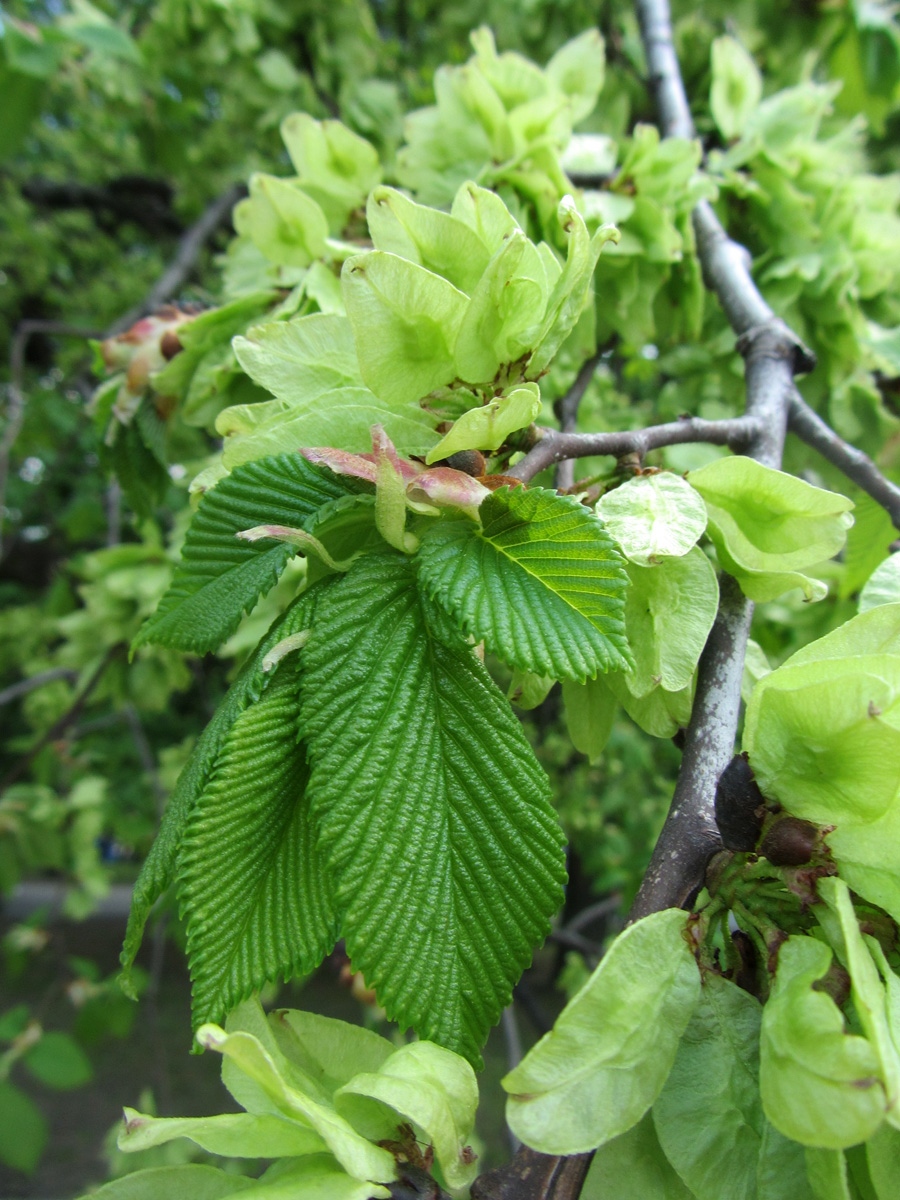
(566, 409)
(24, 686)
(737, 432)
(856, 465)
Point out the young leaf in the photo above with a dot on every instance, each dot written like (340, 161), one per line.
(192, 1180)
(356, 1155)
(405, 321)
(337, 167)
(633, 1166)
(660, 713)
(736, 87)
(590, 715)
(328, 1051)
(485, 214)
(768, 526)
(236, 1135)
(819, 1084)
(250, 879)
(317, 1177)
(445, 855)
(282, 221)
(300, 360)
(488, 427)
(435, 240)
(541, 583)
(221, 577)
(883, 1156)
(669, 611)
(653, 516)
(883, 585)
(433, 1088)
(576, 69)
(607, 1057)
(159, 866)
(826, 1171)
(709, 1116)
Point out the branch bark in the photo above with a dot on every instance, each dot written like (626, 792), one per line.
(552, 447)
(857, 466)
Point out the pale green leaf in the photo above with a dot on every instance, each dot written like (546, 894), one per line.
(428, 1085)
(883, 586)
(485, 214)
(660, 713)
(527, 691)
(297, 360)
(824, 737)
(541, 582)
(250, 880)
(503, 319)
(192, 1182)
(433, 814)
(316, 1178)
(570, 292)
(359, 1157)
(633, 1166)
(405, 321)
(709, 1116)
(436, 240)
(883, 1156)
(513, 77)
(327, 1051)
(736, 86)
(220, 577)
(576, 69)
(756, 667)
(337, 167)
(235, 1135)
(653, 516)
(669, 611)
(344, 416)
(870, 998)
(768, 526)
(819, 1084)
(607, 1057)
(488, 427)
(826, 1171)
(158, 869)
(590, 715)
(282, 221)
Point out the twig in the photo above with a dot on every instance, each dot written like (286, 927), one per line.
(59, 726)
(772, 355)
(523, 995)
(575, 941)
(595, 912)
(566, 409)
(189, 247)
(737, 432)
(534, 1176)
(857, 466)
(24, 686)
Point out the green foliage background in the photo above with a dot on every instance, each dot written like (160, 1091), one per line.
(124, 121)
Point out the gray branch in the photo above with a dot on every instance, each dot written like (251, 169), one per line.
(566, 409)
(552, 447)
(856, 465)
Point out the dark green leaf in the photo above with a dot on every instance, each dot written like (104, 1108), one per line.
(541, 582)
(445, 854)
(23, 1131)
(250, 880)
(58, 1061)
(220, 577)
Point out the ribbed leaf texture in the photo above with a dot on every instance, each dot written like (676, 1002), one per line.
(220, 577)
(159, 866)
(250, 882)
(446, 856)
(541, 583)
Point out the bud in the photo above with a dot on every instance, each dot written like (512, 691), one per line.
(740, 805)
(790, 842)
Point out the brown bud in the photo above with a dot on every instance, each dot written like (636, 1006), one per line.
(790, 842)
(470, 461)
(170, 345)
(739, 805)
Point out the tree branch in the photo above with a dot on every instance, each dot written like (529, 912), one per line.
(856, 465)
(737, 432)
(24, 686)
(189, 247)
